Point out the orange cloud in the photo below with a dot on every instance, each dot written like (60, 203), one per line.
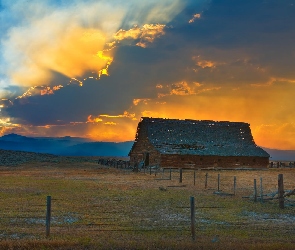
(137, 101)
(110, 123)
(196, 16)
(112, 131)
(57, 41)
(99, 118)
(146, 34)
(182, 88)
(276, 135)
(7, 125)
(50, 91)
(76, 51)
(206, 64)
(90, 118)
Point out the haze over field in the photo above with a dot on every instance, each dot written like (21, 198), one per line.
(92, 68)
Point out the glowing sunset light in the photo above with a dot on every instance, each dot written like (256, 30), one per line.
(94, 68)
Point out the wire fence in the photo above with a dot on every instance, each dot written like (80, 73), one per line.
(107, 213)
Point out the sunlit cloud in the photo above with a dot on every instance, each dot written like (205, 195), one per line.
(102, 117)
(110, 123)
(159, 86)
(36, 90)
(273, 133)
(71, 54)
(146, 35)
(49, 90)
(5, 103)
(137, 101)
(271, 81)
(205, 64)
(183, 89)
(5, 122)
(74, 38)
(71, 39)
(90, 118)
(196, 16)
(7, 125)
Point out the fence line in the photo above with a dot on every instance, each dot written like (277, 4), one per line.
(281, 198)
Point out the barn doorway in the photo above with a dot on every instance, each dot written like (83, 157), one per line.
(147, 159)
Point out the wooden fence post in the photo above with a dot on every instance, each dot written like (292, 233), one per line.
(192, 206)
(218, 182)
(206, 180)
(194, 177)
(48, 215)
(255, 191)
(281, 190)
(180, 175)
(235, 184)
(261, 190)
(170, 174)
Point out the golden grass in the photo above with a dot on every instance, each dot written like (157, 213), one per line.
(95, 207)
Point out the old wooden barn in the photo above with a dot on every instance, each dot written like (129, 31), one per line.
(196, 144)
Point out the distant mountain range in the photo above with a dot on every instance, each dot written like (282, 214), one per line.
(75, 146)
(67, 146)
(280, 155)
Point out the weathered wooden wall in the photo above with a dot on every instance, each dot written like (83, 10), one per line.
(196, 161)
(139, 152)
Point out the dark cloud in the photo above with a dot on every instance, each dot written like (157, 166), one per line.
(260, 31)
(71, 103)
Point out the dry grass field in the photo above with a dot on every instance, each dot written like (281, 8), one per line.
(96, 207)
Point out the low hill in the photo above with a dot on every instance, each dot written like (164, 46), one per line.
(280, 155)
(66, 146)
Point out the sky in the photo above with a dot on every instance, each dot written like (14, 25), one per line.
(93, 68)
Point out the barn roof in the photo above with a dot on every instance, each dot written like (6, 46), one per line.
(200, 137)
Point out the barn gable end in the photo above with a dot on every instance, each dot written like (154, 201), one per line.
(195, 143)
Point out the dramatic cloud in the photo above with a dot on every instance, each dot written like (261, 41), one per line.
(48, 38)
(93, 68)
